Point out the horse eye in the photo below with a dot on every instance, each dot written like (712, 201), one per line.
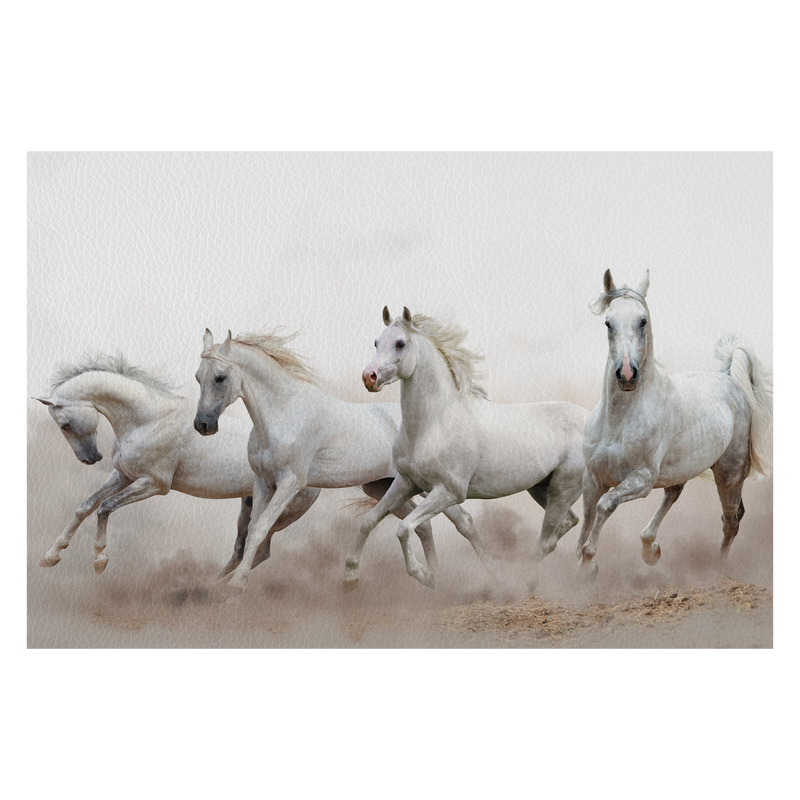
(400, 345)
(609, 326)
(65, 427)
(643, 323)
(376, 343)
(220, 378)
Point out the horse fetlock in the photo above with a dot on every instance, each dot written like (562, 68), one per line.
(237, 583)
(588, 568)
(351, 576)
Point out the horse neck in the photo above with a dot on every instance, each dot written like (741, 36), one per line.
(428, 392)
(124, 402)
(268, 390)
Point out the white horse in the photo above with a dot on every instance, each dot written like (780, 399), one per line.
(454, 444)
(302, 436)
(155, 448)
(650, 430)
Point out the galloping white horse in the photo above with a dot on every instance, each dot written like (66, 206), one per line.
(454, 444)
(650, 430)
(155, 448)
(302, 436)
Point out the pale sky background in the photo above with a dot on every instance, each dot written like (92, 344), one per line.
(138, 253)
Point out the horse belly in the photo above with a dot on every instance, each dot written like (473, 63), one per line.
(214, 466)
(707, 423)
(356, 449)
(520, 446)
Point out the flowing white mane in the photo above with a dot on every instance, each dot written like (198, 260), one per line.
(276, 347)
(447, 338)
(117, 365)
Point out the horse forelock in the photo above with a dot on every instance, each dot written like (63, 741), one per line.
(604, 301)
(447, 338)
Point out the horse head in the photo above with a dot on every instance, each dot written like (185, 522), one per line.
(78, 420)
(395, 356)
(220, 384)
(627, 321)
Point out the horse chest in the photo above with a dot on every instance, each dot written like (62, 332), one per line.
(426, 462)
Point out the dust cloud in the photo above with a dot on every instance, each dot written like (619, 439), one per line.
(160, 588)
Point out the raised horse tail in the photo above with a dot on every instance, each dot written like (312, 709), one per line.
(740, 362)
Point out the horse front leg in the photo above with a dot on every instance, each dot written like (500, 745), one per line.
(113, 484)
(637, 484)
(300, 503)
(266, 512)
(439, 499)
(140, 489)
(651, 550)
(377, 489)
(399, 493)
(242, 526)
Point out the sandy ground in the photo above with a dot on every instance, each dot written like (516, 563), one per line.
(160, 588)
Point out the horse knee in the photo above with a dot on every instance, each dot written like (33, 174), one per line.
(403, 530)
(606, 505)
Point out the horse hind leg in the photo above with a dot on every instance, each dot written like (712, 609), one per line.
(651, 550)
(556, 494)
(729, 474)
(732, 513)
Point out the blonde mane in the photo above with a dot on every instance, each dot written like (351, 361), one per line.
(447, 339)
(275, 346)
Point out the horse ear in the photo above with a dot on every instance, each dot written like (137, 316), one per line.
(208, 339)
(44, 401)
(406, 314)
(608, 282)
(225, 347)
(644, 284)
(387, 317)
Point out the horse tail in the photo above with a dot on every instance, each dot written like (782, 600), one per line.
(739, 361)
(360, 506)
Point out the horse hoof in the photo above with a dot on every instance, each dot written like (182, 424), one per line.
(426, 578)
(49, 561)
(588, 568)
(651, 554)
(232, 590)
(350, 584)
(100, 564)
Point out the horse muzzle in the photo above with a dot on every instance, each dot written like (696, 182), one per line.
(206, 425)
(87, 454)
(370, 379)
(627, 375)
